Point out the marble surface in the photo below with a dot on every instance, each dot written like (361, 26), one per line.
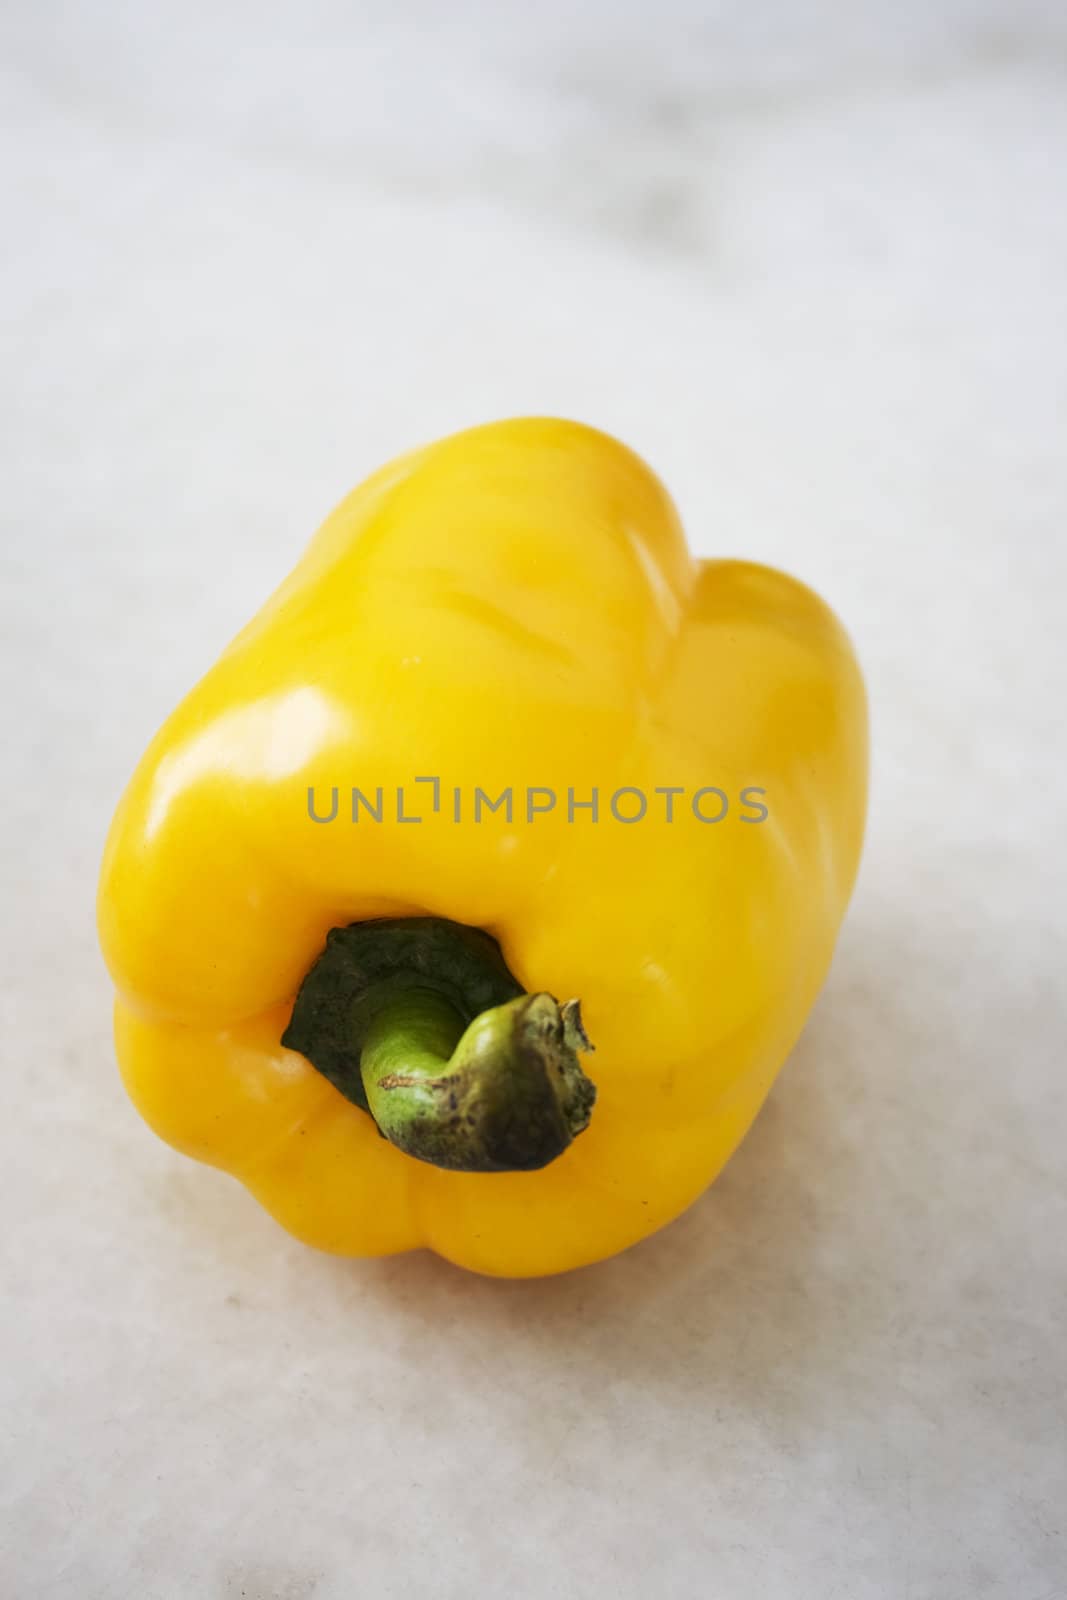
(811, 262)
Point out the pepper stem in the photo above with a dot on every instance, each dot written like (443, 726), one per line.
(420, 1023)
(504, 1094)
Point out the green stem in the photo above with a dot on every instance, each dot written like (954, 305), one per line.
(420, 1023)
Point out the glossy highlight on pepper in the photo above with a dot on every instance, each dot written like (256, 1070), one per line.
(512, 605)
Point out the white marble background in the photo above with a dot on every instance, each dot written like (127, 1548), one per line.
(811, 260)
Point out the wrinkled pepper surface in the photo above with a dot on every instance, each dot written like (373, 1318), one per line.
(511, 610)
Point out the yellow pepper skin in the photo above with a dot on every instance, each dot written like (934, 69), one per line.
(513, 606)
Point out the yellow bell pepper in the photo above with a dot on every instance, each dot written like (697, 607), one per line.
(501, 739)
